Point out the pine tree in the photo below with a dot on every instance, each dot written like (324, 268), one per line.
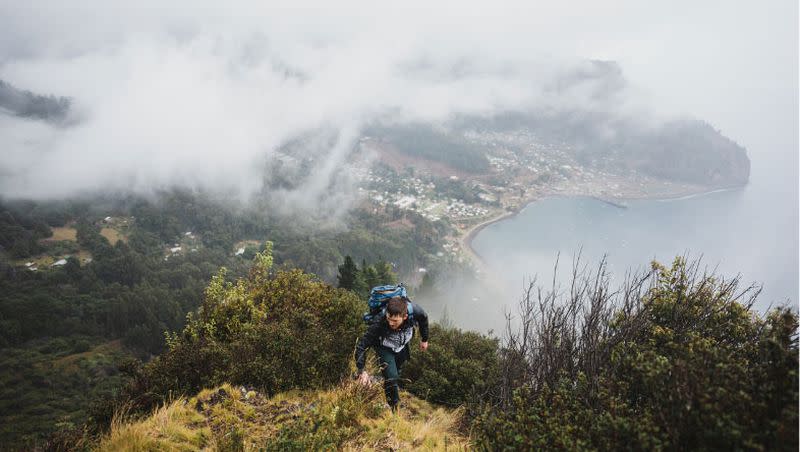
(361, 287)
(385, 273)
(371, 277)
(348, 274)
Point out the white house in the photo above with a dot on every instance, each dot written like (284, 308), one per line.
(405, 201)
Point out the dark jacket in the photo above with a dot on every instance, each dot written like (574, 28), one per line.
(380, 329)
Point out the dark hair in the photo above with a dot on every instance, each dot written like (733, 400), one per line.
(396, 306)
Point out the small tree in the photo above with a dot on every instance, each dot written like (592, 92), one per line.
(348, 274)
(385, 273)
(370, 275)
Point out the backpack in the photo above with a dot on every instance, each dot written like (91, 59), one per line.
(380, 295)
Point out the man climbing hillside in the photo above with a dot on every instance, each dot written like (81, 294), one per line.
(390, 335)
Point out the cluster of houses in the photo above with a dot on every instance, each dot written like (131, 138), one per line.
(523, 149)
(376, 183)
(415, 195)
(457, 210)
(177, 248)
(33, 266)
(529, 151)
(431, 209)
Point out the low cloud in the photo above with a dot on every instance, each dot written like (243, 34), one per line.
(199, 101)
(199, 96)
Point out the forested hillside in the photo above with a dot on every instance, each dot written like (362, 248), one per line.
(87, 285)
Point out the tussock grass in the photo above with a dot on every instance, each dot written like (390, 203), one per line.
(434, 429)
(348, 417)
(174, 427)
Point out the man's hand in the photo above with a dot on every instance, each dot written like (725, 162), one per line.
(423, 346)
(363, 378)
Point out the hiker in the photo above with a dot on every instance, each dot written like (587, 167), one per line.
(390, 335)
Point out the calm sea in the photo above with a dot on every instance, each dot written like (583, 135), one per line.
(744, 231)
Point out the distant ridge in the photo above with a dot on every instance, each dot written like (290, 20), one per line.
(29, 105)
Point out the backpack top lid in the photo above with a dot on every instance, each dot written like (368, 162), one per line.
(380, 295)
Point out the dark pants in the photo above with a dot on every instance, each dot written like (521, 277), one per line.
(391, 363)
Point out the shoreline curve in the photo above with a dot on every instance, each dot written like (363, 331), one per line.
(472, 232)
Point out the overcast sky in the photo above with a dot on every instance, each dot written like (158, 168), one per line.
(196, 93)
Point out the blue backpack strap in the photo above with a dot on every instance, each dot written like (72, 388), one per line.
(410, 309)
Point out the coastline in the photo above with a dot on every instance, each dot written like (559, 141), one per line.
(465, 241)
(466, 238)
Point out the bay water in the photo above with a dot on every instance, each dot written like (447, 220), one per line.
(751, 232)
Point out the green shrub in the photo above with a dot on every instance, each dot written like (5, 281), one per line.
(81, 345)
(686, 366)
(459, 367)
(277, 332)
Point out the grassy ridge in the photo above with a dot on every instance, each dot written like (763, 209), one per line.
(347, 417)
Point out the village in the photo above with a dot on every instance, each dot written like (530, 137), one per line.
(523, 168)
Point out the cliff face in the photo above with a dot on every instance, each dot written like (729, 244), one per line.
(691, 151)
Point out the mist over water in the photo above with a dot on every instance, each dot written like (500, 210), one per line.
(750, 232)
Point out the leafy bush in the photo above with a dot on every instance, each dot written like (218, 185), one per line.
(682, 365)
(276, 332)
(459, 367)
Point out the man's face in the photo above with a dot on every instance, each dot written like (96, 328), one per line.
(396, 320)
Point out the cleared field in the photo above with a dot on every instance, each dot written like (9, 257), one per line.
(113, 236)
(71, 362)
(402, 223)
(60, 234)
(245, 243)
(41, 261)
(84, 255)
